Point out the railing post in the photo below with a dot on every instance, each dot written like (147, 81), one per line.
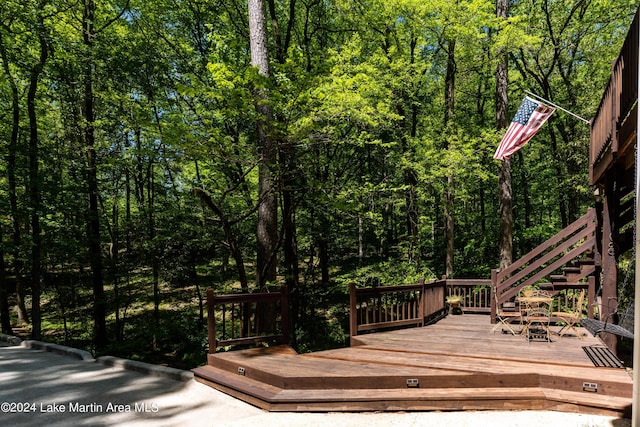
(445, 290)
(591, 296)
(353, 319)
(494, 294)
(444, 293)
(423, 300)
(211, 321)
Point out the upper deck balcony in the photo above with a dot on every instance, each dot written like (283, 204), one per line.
(613, 128)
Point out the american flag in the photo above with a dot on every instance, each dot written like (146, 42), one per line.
(530, 116)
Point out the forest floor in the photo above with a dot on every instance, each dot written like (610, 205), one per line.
(175, 334)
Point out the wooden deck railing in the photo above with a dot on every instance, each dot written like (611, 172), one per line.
(620, 95)
(569, 244)
(385, 307)
(249, 318)
(475, 294)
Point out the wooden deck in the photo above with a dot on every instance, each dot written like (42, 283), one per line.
(455, 364)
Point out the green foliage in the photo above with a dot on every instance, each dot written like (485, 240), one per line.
(385, 273)
(317, 333)
(364, 159)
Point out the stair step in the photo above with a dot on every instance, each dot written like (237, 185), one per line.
(509, 306)
(466, 398)
(559, 286)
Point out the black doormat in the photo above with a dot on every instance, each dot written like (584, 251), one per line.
(602, 357)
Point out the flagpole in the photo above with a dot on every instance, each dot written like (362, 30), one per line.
(557, 106)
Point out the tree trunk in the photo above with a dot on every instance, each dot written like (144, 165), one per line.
(323, 249)
(502, 121)
(360, 238)
(5, 320)
(114, 253)
(267, 229)
(34, 180)
(290, 247)
(236, 252)
(155, 262)
(290, 238)
(193, 277)
(409, 174)
(523, 185)
(411, 204)
(450, 83)
(449, 216)
(506, 216)
(563, 192)
(93, 222)
(23, 316)
(449, 224)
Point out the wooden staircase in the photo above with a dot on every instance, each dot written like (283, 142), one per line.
(565, 261)
(573, 275)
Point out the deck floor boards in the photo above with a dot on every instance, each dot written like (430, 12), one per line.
(458, 363)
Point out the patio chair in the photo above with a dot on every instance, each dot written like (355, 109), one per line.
(536, 322)
(541, 293)
(571, 316)
(505, 314)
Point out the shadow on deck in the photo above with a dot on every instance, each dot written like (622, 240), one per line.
(455, 364)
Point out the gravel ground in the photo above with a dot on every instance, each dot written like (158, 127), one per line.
(44, 384)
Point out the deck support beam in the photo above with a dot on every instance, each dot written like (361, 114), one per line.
(609, 279)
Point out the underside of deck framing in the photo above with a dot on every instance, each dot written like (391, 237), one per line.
(456, 364)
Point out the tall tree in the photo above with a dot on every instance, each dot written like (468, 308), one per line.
(89, 34)
(287, 154)
(93, 213)
(502, 121)
(5, 320)
(11, 158)
(449, 116)
(267, 230)
(35, 200)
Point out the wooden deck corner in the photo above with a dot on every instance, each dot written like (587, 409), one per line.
(455, 364)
